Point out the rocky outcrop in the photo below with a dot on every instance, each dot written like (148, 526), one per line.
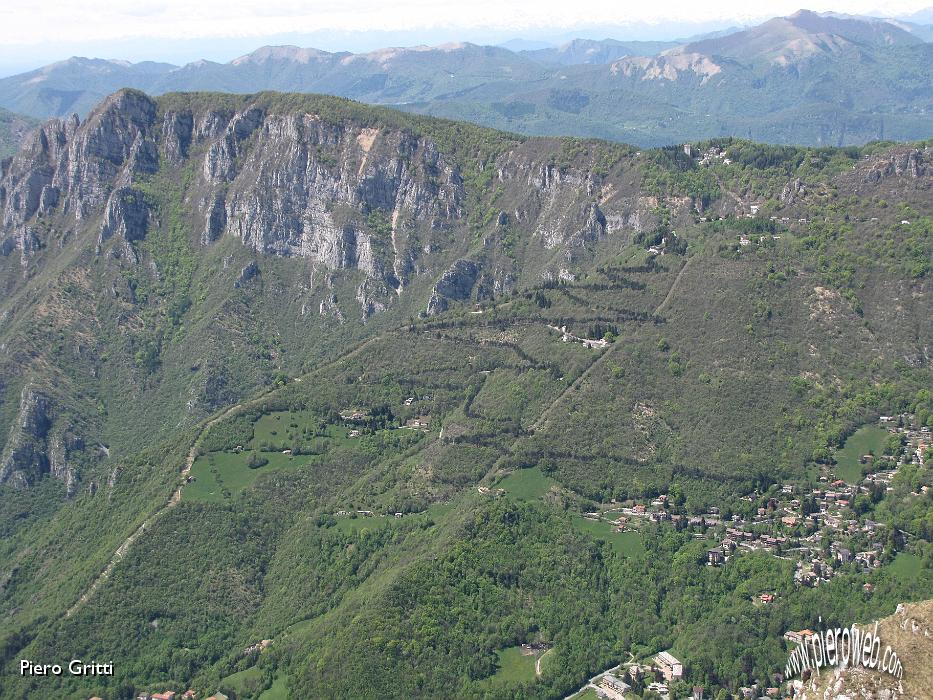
(249, 272)
(909, 634)
(126, 215)
(456, 284)
(909, 162)
(113, 145)
(78, 168)
(288, 199)
(25, 458)
(793, 191)
(346, 194)
(41, 444)
(29, 185)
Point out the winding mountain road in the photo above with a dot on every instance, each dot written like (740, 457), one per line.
(175, 498)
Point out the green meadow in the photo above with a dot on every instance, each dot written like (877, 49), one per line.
(526, 484)
(219, 476)
(514, 667)
(277, 691)
(865, 440)
(627, 543)
(906, 566)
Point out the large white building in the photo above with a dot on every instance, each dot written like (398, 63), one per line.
(669, 666)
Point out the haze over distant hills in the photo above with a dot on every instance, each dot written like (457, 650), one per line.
(808, 78)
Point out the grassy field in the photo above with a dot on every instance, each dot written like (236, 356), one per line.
(905, 566)
(223, 475)
(439, 511)
(354, 526)
(627, 543)
(869, 438)
(282, 428)
(514, 667)
(277, 691)
(526, 484)
(588, 694)
(243, 682)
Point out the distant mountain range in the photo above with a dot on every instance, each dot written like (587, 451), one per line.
(808, 78)
(13, 128)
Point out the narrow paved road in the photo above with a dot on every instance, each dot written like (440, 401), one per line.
(171, 503)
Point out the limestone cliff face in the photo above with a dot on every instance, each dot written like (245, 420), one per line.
(893, 165)
(347, 194)
(73, 169)
(40, 443)
(293, 185)
(25, 457)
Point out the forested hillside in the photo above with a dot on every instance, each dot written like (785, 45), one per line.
(377, 388)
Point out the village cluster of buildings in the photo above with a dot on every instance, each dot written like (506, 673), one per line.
(593, 344)
(784, 527)
(656, 677)
(711, 156)
(172, 695)
(815, 527)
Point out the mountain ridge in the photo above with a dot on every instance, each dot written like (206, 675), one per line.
(817, 79)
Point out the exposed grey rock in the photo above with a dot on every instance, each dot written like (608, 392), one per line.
(380, 200)
(249, 272)
(216, 221)
(25, 457)
(329, 307)
(909, 163)
(127, 215)
(177, 132)
(792, 191)
(456, 284)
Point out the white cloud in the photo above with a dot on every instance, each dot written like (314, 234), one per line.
(30, 22)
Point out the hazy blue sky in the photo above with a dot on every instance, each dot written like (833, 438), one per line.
(34, 32)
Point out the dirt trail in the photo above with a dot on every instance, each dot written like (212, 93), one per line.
(542, 419)
(175, 498)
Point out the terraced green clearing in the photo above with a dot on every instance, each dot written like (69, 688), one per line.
(219, 476)
(626, 543)
(514, 667)
(223, 475)
(354, 526)
(439, 511)
(869, 438)
(526, 484)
